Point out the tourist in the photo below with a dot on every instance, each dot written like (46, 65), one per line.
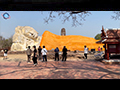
(34, 56)
(5, 53)
(29, 52)
(64, 56)
(39, 52)
(44, 53)
(99, 49)
(85, 51)
(56, 53)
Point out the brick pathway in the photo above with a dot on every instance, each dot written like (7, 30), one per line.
(58, 70)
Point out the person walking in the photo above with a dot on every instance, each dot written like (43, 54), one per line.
(56, 53)
(44, 53)
(64, 56)
(85, 51)
(5, 53)
(34, 56)
(39, 53)
(29, 52)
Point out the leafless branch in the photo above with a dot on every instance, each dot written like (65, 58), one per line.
(50, 17)
(76, 16)
(117, 15)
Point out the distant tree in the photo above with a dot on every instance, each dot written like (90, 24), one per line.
(5, 43)
(98, 37)
(1, 41)
(10, 41)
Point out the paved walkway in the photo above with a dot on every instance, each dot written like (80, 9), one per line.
(58, 70)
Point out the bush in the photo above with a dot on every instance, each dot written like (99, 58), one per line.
(5, 43)
(98, 37)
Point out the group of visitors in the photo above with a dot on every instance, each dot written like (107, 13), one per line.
(36, 55)
(86, 51)
(64, 56)
(42, 52)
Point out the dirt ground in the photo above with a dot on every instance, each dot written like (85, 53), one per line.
(16, 67)
(23, 57)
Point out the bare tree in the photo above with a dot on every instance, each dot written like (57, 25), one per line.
(117, 15)
(76, 16)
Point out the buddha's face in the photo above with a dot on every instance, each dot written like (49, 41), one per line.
(30, 33)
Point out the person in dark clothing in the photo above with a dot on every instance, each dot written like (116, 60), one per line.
(64, 53)
(56, 53)
(39, 52)
(35, 56)
(29, 52)
(5, 53)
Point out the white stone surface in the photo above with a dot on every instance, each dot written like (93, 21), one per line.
(112, 60)
(25, 36)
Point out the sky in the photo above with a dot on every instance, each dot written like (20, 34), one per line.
(91, 26)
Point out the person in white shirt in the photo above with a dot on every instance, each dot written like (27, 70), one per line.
(44, 54)
(85, 51)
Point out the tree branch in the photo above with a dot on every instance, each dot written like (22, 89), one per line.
(76, 16)
(117, 15)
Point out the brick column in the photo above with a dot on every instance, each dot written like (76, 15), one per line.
(107, 52)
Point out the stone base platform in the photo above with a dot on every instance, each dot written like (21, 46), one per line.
(111, 61)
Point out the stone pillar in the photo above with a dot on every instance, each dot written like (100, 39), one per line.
(63, 32)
